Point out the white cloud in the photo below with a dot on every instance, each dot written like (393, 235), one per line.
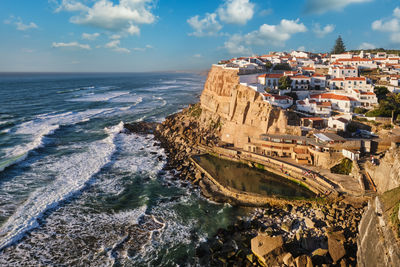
(389, 25)
(208, 26)
(105, 14)
(71, 6)
(236, 11)
(90, 36)
(142, 49)
(19, 24)
(71, 45)
(366, 46)
(235, 45)
(321, 32)
(197, 56)
(396, 12)
(272, 35)
(122, 50)
(266, 12)
(115, 46)
(115, 36)
(301, 48)
(323, 6)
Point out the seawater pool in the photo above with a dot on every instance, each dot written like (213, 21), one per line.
(241, 177)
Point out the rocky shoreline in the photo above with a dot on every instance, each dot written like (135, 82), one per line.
(311, 233)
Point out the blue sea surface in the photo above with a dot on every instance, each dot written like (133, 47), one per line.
(75, 190)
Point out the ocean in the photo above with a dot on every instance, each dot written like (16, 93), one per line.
(75, 190)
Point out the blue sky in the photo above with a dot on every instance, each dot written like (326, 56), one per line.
(154, 35)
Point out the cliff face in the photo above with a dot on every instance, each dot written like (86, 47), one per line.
(376, 243)
(386, 175)
(241, 111)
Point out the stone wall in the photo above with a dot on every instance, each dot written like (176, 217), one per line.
(376, 244)
(240, 111)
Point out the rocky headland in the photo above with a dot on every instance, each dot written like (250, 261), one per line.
(317, 232)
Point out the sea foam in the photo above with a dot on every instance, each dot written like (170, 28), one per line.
(42, 126)
(74, 172)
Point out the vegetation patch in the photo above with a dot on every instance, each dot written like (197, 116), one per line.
(344, 167)
(195, 111)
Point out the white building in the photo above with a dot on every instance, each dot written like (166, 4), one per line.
(338, 123)
(270, 80)
(318, 81)
(279, 100)
(311, 106)
(300, 82)
(299, 54)
(340, 72)
(339, 102)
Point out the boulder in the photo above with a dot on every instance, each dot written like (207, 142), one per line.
(309, 223)
(335, 245)
(262, 245)
(288, 259)
(303, 261)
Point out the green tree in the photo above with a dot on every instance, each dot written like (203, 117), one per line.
(339, 47)
(284, 82)
(386, 107)
(282, 66)
(381, 92)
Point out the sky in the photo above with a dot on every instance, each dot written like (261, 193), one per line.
(169, 35)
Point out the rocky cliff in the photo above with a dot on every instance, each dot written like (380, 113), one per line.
(240, 111)
(377, 245)
(386, 174)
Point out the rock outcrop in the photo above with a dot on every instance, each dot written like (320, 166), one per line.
(386, 174)
(240, 111)
(377, 245)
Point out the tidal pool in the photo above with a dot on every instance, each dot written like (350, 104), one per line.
(241, 177)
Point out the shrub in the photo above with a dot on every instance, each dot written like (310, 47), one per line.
(344, 167)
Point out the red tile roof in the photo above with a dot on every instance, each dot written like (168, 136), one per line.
(300, 77)
(333, 96)
(355, 79)
(271, 75)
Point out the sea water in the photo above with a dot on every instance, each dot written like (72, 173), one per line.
(76, 190)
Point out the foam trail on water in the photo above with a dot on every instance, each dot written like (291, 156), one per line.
(100, 97)
(73, 174)
(40, 127)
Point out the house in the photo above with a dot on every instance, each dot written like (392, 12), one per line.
(339, 102)
(318, 81)
(299, 54)
(358, 62)
(338, 123)
(336, 57)
(313, 122)
(308, 70)
(279, 100)
(350, 83)
(300, 82)
(270, 80)
(340, 72)
(311, 106)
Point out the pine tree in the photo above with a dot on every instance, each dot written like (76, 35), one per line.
(339, 47)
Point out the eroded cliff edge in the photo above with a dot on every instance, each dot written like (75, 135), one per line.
(239, 111)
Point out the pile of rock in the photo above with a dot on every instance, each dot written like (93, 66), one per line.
(303, 235)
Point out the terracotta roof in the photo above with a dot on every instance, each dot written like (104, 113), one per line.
(281, 97)
(318, 75)
(368, 93)
(271, 75)
(300, 77)
(308, 68)
(355, 79)
(314, 119)
(354, 59)
(333, 96)
(324, 104)
(338, 79)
